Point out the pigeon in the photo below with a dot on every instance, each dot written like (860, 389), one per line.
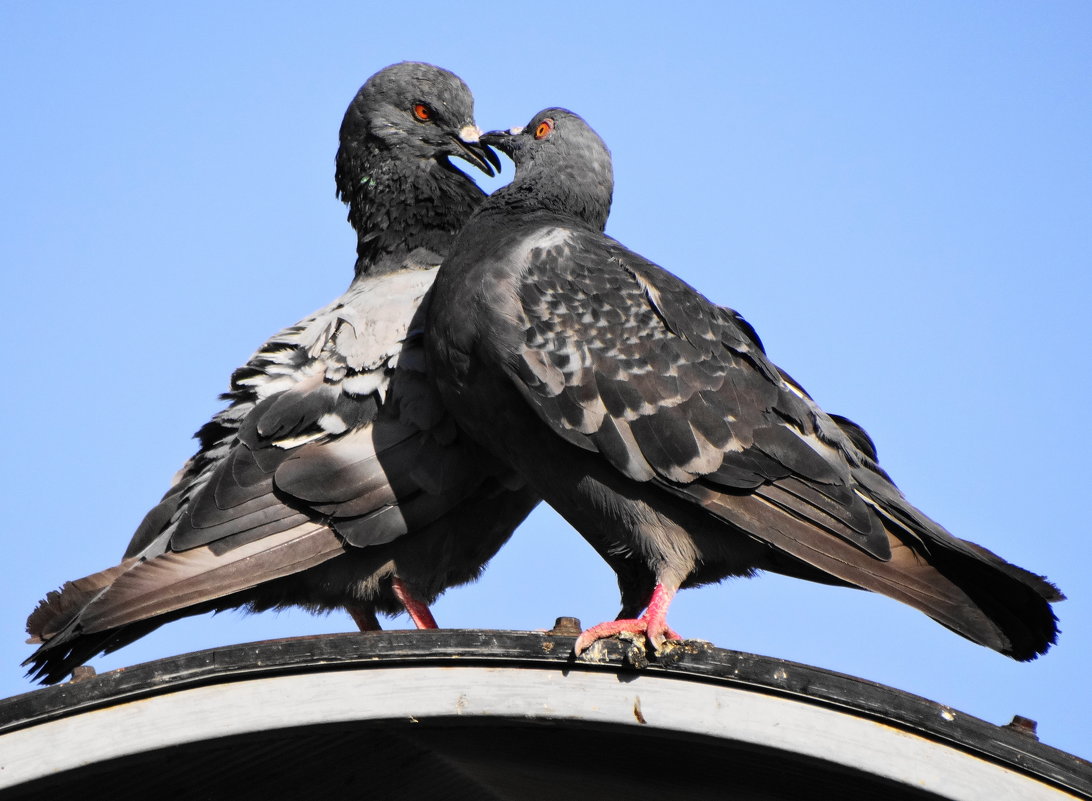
(334, 478)
(653, 421)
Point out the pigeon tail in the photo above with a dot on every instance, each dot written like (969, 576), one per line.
(107, 610)
(1007, 610)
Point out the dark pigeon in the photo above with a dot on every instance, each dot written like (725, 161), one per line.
(334, 478)
(654, 422)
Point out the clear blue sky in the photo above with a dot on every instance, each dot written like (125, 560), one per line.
(898, 197)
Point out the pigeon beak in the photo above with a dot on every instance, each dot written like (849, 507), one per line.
(470, 147)
(502, 140)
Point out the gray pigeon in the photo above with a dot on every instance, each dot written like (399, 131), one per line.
(334, 478)
(654, 422)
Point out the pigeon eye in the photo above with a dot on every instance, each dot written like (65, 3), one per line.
(422, 112)
(544, 128)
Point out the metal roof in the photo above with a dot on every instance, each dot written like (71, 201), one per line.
(475, 714)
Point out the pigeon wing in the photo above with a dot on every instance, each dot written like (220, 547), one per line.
(623, 358)
(305, 406)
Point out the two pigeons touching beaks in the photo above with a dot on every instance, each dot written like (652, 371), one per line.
(494, 352)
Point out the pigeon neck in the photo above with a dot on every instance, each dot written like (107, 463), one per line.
(560, 195)
(397, 206)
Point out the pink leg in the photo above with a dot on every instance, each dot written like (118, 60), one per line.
(418, 611)
(364, 618)
(653, 623)
(656, 617)
(663, 600)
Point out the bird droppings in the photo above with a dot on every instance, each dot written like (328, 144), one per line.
(638, 654)
(947, 714)
(596, 653)
(635, 651)
(675, 651)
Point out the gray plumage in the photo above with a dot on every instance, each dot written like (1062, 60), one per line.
(653, 421)
(334, 478)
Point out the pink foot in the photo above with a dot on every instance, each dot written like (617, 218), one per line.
(417, 610)
(609, 629)
(653, 624)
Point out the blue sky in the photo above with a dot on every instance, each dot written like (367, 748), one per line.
(897, 196)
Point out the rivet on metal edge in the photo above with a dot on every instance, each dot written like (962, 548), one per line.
(1025, 726)
(566, 627)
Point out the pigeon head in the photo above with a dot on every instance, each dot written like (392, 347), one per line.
(412, 112)
(561, 165)
(393, 167)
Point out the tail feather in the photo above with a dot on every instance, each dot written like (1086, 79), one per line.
(114, 607)
(1017, 600)
(901, 513)
(175, 580)
(60, 656)
(960, 587)
(60, 607)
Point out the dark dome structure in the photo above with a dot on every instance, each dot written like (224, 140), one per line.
(501, 715)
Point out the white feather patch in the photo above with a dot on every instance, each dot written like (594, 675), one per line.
(332, 423)
(362, 384)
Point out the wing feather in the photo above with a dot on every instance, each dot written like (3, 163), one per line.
(621, 357)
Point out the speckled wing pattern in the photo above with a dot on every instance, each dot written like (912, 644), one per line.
(622, 358)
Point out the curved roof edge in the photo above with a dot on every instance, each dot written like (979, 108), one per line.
(533, 676)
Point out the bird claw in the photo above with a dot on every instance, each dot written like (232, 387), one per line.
(652, 624)
(632, 629)
(604, 630)
(663, 643)
(661, 638)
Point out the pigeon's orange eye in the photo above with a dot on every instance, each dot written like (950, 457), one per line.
(544, 128)
(422, 112)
